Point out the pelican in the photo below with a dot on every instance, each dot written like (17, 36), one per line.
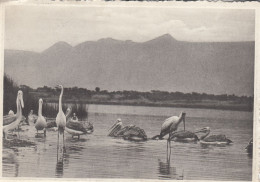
(74, 127)
(61, 118)
(249, 147)
(41, 123)
(184, 136)
(116, 127)
(130, 132)
(213, 139)
(19, 116)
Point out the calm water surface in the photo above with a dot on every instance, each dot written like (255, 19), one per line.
(99, 156)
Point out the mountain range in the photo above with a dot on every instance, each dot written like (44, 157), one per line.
(163, 63)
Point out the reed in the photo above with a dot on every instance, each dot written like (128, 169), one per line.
(32, 102)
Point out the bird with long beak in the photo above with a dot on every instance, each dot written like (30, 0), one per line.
(41, 123)
(115, 128)
(61, 118)
(75, 128)
(170, 125)
(19, 117)
(212, 139)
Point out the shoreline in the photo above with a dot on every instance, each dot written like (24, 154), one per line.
(192, 106)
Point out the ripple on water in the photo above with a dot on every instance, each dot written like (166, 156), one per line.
(100, 156)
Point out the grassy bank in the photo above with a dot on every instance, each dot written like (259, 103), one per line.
(198, 105)
(31, 102)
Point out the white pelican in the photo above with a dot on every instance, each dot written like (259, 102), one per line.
(61, 118)
(130, 132)
(19, 116)
(41, 123)
(213, 139)
(74, 127)
(116, 127)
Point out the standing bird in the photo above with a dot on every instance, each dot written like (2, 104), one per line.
(41, 123)
(19, 116)
(169, 126)
(61, 118)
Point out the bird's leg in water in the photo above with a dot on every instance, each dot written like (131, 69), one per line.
(169, 141)
(64, 148)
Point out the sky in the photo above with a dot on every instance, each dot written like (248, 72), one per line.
(35, 28)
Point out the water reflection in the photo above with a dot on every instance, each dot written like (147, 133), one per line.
(167, 172)
(9, 159)
(59, 169)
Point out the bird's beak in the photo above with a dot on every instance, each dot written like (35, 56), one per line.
(184, 123)
(22, 103)
(200, 130)
(113, 126)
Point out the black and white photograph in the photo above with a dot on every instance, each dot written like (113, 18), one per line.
(128, 92)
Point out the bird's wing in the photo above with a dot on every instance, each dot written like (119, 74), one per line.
(183, 134)
(9, 119)
(76, 126)
(214, 138)
(136, 131)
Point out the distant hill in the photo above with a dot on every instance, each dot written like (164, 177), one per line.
(159, 64)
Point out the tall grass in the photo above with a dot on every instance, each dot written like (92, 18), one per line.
(32, 103)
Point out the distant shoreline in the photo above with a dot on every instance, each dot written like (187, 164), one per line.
(237, 107)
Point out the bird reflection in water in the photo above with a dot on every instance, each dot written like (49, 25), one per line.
(60, 159)
(166, 171)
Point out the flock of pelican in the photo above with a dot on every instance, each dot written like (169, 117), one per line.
(63, 123)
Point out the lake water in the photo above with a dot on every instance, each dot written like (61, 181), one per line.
(100, 156)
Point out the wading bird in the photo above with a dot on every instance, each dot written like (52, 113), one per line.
(76, 128)
(61, 118)
(213, 139)
(41, 123)
(169, 126)
(19, 117)
(131, 132)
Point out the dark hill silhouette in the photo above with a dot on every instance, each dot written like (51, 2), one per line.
(163, 63)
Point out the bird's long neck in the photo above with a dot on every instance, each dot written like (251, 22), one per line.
(180, 119)
(60, 106)
(40, 109)
(205, 135)
(19, 108)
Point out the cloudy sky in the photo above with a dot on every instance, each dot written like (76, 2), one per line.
(36, 28)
